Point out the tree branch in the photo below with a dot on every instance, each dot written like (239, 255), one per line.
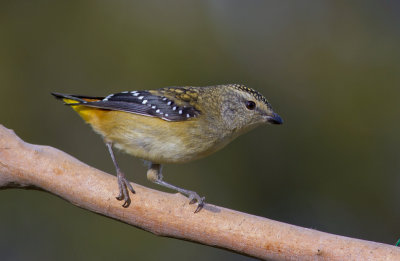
(42, 167)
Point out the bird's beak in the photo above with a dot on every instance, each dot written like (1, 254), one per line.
(274, 119)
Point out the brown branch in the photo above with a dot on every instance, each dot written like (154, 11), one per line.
(42, 167)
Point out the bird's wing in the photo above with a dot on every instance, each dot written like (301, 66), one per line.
(146, 103)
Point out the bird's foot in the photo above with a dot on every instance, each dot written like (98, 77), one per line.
(193, 198)
(124, 185)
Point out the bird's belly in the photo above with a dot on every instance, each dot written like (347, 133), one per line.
(167, 151)
(159, 141)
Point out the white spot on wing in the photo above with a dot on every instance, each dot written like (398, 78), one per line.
(108, 97)
(140, 97)
(153, 107)
(144, 102)
(157, 111)
(169, 103)
(180, 111)
(174, 108)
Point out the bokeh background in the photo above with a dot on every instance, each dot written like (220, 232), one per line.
(331, 69)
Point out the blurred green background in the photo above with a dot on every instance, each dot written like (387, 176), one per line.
(331, 69)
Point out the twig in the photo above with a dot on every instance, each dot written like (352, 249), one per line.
(31, 166)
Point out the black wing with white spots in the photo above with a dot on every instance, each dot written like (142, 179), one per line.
(147, 104)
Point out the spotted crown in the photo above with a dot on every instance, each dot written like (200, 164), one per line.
(251, 91)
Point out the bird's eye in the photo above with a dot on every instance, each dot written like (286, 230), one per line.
(250, 105)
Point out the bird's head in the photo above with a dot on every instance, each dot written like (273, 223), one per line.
(243, 108)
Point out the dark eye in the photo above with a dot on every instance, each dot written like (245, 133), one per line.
(250, 105)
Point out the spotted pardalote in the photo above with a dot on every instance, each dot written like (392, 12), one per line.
(172, 125)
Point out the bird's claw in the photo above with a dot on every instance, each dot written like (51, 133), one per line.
(193, 198)
(124, 185)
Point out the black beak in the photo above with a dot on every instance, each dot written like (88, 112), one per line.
(275, 119)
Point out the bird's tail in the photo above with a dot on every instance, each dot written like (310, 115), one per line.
(71, 99)
(80, 104)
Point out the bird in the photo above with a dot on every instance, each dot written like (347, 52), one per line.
(176, 124)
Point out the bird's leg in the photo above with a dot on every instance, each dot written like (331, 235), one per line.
(123, 183)
(154, 174)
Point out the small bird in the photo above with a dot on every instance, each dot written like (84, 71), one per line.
(172, 125)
